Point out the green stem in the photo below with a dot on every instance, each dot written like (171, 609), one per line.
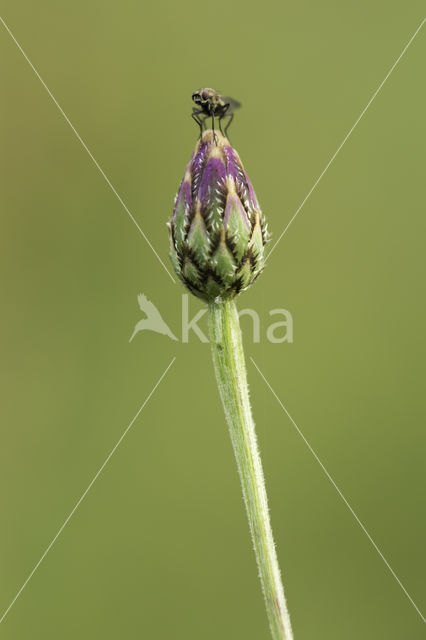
(228, 358)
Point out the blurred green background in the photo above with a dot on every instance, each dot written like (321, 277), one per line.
(160, 547)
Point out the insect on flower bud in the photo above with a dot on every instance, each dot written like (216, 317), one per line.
(217, 234)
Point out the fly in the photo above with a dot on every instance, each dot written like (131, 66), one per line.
(212, 104)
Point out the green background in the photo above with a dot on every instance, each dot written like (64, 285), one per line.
(160, 546)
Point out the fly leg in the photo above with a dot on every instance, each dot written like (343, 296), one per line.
(214, 135)
(222, 115)
(231, 117)
(196, 116)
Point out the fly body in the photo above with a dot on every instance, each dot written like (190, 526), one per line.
(210, 103)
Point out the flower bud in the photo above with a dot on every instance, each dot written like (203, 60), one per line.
(217, 234)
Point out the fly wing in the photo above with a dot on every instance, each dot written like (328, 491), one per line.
(233, 104)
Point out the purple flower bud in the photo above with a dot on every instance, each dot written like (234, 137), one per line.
(217, 233)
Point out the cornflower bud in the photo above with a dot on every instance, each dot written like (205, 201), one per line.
(217, 233)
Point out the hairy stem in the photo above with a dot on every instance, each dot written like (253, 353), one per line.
(228, 358)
